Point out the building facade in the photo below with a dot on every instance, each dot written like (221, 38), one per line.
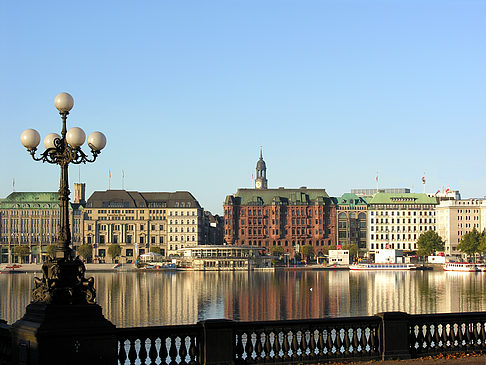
(31, 219)
(455, 218)
(396, 220)
(138, 221)
(290, 218)
(351, 220)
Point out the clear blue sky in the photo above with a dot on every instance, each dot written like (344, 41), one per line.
(186, 91)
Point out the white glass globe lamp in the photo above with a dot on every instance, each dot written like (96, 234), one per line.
(49, 140)
(64, 102)
(75, 137)
(30, 138)
(96, 141)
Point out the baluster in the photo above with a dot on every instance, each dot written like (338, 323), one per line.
(132, 353)
(437, 336)
(453, 335)
(347, 342)
(163, 350)
(469, 335)
(183, 351)
(173, 351)
(365, 342)
(429, 328)
(339, 342)
(355, 342)
(268, 345)
(240, 350)
(420, 340)
(152, 353)
(460, 336)
(276, 346)
(312, 343)
(294, 345)
(445, 337)
(122, 354)
(476, 335)
(193, 351)
(373, 341)
(249, 347)
(258, 346)
(142, 353)
(286, 345)
(482, 334)
(320, 343)
(330, 343)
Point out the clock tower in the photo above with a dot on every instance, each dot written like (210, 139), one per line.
(261, 173)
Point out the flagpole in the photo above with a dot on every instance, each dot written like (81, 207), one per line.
(109, 179)
(123, 180)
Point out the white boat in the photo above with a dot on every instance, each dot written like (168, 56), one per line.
(384, 266)
(460, 266)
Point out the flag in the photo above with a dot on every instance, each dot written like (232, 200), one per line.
(109, 173)
(376, 178)
(423, 179)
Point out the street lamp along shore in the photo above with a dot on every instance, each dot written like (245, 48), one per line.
(63, 279)
(63, 324)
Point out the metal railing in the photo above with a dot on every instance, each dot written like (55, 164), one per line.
(384, 335)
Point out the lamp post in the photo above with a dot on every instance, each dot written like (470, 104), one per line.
(63, 279)
(63, 324)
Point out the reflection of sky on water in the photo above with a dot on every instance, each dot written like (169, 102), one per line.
(149, 299)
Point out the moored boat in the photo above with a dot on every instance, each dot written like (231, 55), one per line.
(461, 267)
(382, 266)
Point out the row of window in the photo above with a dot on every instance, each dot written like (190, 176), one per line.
(404, 220)
(403, 213)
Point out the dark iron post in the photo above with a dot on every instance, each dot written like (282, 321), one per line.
(394, 335)
(218, 342)
(63, 324)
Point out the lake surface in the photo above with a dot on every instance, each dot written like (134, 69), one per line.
(131, 299)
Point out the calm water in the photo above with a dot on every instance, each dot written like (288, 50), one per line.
(146, 299)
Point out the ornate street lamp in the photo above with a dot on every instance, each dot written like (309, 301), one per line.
(63, 280)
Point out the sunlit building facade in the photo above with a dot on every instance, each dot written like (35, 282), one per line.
(396, 220)
(138, 221)
(31, 219)
(455, 218)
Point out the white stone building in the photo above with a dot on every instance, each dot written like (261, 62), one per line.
(455, 218)
(396, 220)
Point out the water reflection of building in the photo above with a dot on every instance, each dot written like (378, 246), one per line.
(149, 299)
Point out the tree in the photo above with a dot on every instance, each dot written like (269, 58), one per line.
(85, 251)
(308, 251)
(469, 243)
(22, 251)
(51, 251)
(155, 249)
(352, 248)
(114, 250)
(482, 243)
(277, 250)
(428, 243)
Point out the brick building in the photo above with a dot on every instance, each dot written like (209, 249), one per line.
(290, 218)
